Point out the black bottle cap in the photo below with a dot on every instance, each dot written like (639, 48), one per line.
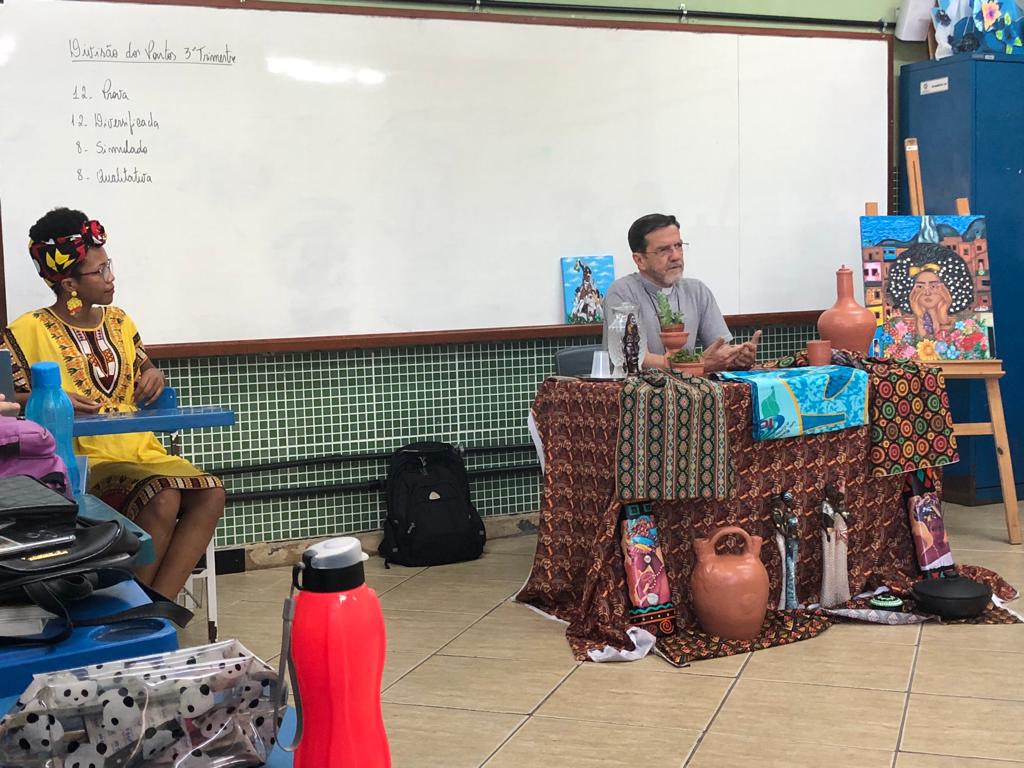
(335, 565)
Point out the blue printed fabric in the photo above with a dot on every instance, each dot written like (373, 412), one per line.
(805, 401)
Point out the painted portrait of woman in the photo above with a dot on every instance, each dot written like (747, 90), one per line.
(931, 284)
(932, 311)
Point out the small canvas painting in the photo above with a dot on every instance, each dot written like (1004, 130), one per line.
(585, 281)
(927, 280)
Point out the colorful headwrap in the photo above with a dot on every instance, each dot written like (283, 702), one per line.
(55, 258)
(915, 271)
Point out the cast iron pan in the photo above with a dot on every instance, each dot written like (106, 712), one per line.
(954, 597)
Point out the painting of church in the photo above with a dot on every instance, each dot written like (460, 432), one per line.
(585, 281)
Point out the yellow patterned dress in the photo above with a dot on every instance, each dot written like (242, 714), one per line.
(103, 364)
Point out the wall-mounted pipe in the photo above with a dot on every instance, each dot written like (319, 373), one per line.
(366, 486)
(681, 13)
(340, 458)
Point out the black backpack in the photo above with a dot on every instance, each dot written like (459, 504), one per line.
(430, 518)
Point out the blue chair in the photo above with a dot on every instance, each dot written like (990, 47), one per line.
(575, 361)
(89, 645)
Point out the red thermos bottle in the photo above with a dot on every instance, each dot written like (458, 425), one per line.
(337, 649)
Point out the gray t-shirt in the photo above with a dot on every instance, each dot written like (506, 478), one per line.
(704, 320)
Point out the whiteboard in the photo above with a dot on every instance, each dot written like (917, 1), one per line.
(319, 174)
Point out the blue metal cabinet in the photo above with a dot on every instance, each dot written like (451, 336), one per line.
(967, 112)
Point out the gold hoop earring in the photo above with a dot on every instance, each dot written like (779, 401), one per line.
(74, 304)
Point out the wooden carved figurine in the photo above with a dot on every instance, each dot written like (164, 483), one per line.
(631, 345)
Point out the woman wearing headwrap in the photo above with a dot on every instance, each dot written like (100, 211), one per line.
(931, 283)
(931, 288)
(105, 368)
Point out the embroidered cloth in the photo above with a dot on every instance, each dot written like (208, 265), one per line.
(672, 439)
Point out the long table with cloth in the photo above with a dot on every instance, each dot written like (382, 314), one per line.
(578, 573)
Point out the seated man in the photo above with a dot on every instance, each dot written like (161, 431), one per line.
(658, 253)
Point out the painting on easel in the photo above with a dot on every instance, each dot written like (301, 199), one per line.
(585, 282)
(926, 278)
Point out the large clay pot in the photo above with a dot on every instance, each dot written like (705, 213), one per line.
(846, 323)
(730, 592)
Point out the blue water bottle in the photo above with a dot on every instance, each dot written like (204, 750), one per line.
(50, 407)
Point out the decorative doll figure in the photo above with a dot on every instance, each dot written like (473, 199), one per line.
(835, 497)
(631, 346)
(835, 581)
(787, 526)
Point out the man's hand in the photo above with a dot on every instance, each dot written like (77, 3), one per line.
(149, 386)
(747, 355)
(720, 356)
(83, 404)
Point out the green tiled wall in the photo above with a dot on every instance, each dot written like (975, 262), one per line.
(304, 405)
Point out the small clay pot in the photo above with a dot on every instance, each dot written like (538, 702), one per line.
(674, 338)
(690, 369)
(819, 352)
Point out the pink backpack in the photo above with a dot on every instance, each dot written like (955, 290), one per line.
(28, 449)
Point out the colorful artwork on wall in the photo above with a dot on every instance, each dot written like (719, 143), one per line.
(963, 26)
(585, 281)
(927, 280)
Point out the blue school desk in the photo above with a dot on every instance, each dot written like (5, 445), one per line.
(90, 645)
(152, 420)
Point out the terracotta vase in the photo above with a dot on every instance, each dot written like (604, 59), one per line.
(846, 323)
(730, 592)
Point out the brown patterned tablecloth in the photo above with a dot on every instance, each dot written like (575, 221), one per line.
(578, 573)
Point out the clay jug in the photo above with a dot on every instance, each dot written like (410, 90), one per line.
(846, 323)
(730, 592)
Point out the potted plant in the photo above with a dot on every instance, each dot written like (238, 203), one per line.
(673, 328)
(685, 361)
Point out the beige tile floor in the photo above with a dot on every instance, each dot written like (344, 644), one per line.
(475, 680)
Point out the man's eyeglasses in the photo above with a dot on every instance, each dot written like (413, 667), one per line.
(105, 270)
(666, 250)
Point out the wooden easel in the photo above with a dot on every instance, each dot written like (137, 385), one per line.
(990, 371)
